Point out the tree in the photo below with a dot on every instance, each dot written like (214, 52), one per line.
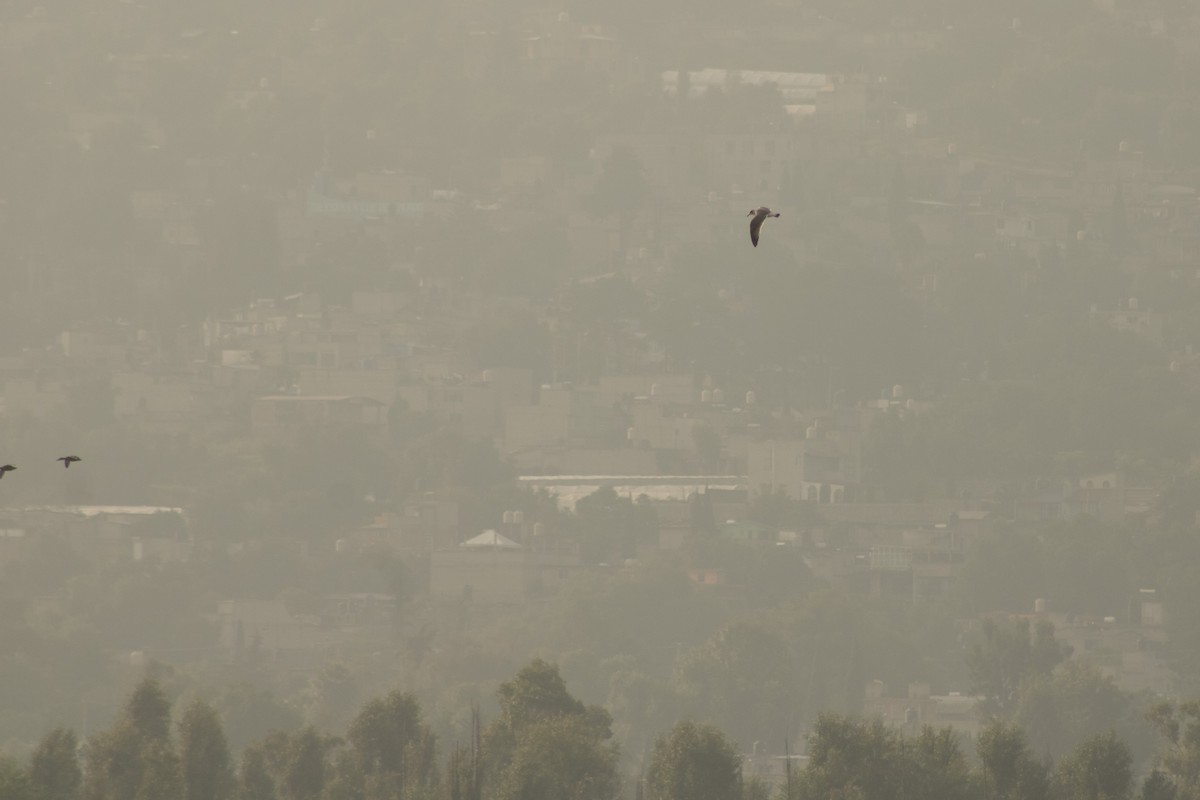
(1101, 768)
(254, 780)
(393, 748)
(207, 768)
(305, 767)
(1157, 786)
(743, 678)
(464, 768)
(114, 763)
(54, 766)
(694, 762)
(1010, 772)
(1059, 712)
(250, 713)
(851, 758)
(134, 758)
(537, 692)
(611, 527)
(149, 711)
(1179, 760)
(561, 757)
(1005, 656)
(162, 775)
(936, 766)
(546, 743)
(14, 781)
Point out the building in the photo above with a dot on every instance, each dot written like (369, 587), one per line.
(491, 568)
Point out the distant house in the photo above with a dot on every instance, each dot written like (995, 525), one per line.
(920, 708)
(491, 568)
(100, 534)
(746, 531)
(1142, 322)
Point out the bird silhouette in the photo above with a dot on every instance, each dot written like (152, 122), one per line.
(759, 214)
(6, 468)
(68, 460)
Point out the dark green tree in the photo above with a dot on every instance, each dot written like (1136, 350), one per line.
(936, 767)
(694, 762)
(207, 766)
(1157, 786)
(852, 758)
(1005, 655)
(14, 781)
(1101, 768)
(1009, 769)
(54, 766)
(149, 711)
(305, 766)
(393, 748)
(254, 781)
(1179, 758)
(561, 756)
(162, 774)
(135, 756)
(742, 678)
(546, 742)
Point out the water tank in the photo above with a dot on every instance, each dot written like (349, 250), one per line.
(718, 396)
(751, 398)
(706, 396)
(897, 392)
(488, 375)
(629, 434)
(1039, 605)
(1123, 147)
(654, 390)
(951, 149)
(539, 530)
(518, 517)
(340, 546)
(508, 518)
(1080, 235)
(810, 432)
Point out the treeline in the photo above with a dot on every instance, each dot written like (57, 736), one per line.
(547, 745)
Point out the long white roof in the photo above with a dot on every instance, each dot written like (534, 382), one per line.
(792, 85)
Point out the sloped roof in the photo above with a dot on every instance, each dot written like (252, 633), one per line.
(491, 538)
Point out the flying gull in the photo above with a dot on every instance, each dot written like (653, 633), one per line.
(6, 468)
(759, 214)
(68, 460)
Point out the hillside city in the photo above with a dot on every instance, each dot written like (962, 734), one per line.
(408, 349)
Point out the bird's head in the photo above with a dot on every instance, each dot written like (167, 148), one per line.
(751, 213)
